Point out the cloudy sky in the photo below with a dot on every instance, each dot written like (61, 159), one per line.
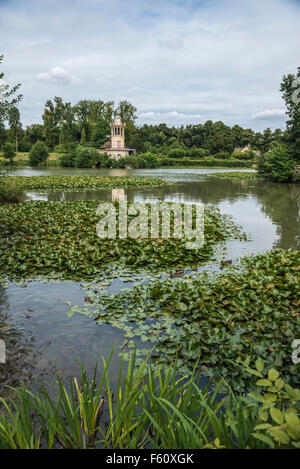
(178, 61)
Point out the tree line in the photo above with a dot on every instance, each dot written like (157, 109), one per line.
(86, 124)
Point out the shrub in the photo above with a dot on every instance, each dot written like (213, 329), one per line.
(246, 155)
(223, 155)
(9, 193)
(198, 152)
(24, 146)
(277, 165)
(9, 151)
(68, 160)
(177, 153)
(38, 153)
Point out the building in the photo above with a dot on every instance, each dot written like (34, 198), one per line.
(115, 147)
(246, 148)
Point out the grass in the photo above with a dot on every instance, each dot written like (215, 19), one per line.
(153, 410)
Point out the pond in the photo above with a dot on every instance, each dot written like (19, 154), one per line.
(41, 336)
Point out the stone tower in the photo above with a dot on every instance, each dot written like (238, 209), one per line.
(115, 147)
(117, 134)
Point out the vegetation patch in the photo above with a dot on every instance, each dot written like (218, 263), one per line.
(9, 193)
(236, 175)
(46, 183)
(153, 410)
(215, 320)
(60, 240)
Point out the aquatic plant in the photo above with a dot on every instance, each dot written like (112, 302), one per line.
(79, 182)
(214, 320)
(152, 409)
(60, 239)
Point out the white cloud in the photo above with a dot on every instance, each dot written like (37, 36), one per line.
(269, 113)
(57, 75)
(181, 61)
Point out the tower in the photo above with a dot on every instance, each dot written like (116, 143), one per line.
(117, 134)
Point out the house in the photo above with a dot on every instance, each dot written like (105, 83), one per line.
(246, 148)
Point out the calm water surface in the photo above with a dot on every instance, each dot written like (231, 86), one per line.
(42, 338)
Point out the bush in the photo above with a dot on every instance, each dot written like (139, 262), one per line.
(246, 155)
(177, 153)
(68, 160)
(223, 155)
(9, 193)
(24, 146)
(9, 151)
(277, 165)
(198, 152)
(38, 154)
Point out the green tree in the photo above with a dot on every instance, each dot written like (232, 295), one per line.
(127, 112)
(8, 100)
(277, 165)
(290, 88)
(38, 154)
(9, 151)
(54, 117)
(15, 123)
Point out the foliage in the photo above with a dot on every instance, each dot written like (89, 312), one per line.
(216, 320)
(59, 239)
(9, 151)
(277, 165)
(9, 193)
(236, 175)
(151, 409)
(290, 86)
(279, 408)
(246, 155)
(38, 154)
(8, 100)
(46, 183)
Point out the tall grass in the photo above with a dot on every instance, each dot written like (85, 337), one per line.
(146, 409)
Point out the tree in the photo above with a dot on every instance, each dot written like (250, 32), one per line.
(38, 154)
(54, 116)
(127, 112)
(7, 99)
(277, 165)
(290, 88)
(9, 151)
(15, 123)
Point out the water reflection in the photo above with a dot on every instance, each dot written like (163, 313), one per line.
(271, 212)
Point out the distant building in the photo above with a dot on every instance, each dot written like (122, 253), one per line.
(115, 147)
(246, 148)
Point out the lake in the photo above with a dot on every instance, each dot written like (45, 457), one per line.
(42, 338)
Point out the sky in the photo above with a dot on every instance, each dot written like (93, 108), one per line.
(178, 61)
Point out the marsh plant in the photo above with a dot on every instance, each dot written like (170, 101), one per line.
(148, 409)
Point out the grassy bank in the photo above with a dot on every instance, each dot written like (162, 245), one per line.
(59, 239)
(154, 410)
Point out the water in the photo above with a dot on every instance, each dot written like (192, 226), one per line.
(42, 338)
